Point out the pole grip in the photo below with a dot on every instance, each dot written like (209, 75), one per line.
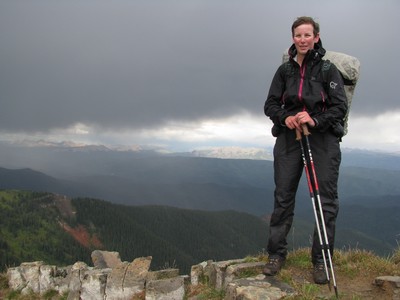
(298, 135)
(305, 129)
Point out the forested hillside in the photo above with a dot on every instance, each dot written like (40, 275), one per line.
(40, 226)
(59, 230)
(171, 235)
(30, 230)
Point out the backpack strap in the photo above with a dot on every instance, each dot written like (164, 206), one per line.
(325, 68)
(347, 81)
(326, 65)
(288, 68)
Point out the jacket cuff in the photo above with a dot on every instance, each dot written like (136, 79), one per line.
(316, 122)
(283, 118)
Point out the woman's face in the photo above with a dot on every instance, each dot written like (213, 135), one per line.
(304, 38)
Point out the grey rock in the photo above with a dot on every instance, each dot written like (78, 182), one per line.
(389, 283)
(166, 289)
(105, 259)
(162, 274)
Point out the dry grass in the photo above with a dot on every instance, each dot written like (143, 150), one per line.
(355, 272)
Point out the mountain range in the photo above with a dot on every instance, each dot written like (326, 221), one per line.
(369, 192)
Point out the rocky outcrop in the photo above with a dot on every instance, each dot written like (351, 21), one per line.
(240, 280)
(112, 279)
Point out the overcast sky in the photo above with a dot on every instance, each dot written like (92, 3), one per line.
(183, 74)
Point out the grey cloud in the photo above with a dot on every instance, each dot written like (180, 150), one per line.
(140, 64)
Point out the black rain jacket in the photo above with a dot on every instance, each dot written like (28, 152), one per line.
(297, 88)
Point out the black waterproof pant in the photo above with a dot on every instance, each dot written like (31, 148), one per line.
(288, 168)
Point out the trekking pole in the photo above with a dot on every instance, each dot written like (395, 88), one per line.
(314, 194)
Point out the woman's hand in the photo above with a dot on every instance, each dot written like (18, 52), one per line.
(292, 122)
(304, 118)
(296, 121)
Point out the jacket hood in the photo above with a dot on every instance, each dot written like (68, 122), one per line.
(318, 51)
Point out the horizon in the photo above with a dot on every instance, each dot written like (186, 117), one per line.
(162, 149)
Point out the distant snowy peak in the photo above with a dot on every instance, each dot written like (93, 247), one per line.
(74, 146)
(63, 145)
(234, 153)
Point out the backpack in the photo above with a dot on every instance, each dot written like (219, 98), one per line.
(349, 68)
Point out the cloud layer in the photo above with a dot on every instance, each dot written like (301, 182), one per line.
(144, 65)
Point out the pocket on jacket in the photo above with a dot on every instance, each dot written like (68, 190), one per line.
(337, 129)
(275, 130)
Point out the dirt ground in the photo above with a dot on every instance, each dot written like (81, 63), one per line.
(352, 288)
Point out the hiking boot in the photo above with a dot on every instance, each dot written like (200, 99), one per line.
(319, 274)
(274, 265)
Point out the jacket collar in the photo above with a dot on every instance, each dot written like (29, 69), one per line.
(313, 54)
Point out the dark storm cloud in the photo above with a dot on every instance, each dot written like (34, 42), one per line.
(138, 64)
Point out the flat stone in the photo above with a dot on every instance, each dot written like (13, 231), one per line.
(234, 271)
(166, 289)
(257, 288)
(162, 274)
(393, 280)
(105, 259)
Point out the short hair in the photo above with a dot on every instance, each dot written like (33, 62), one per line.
(305, 20)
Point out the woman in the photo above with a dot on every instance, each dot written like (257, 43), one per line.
(300, 94)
